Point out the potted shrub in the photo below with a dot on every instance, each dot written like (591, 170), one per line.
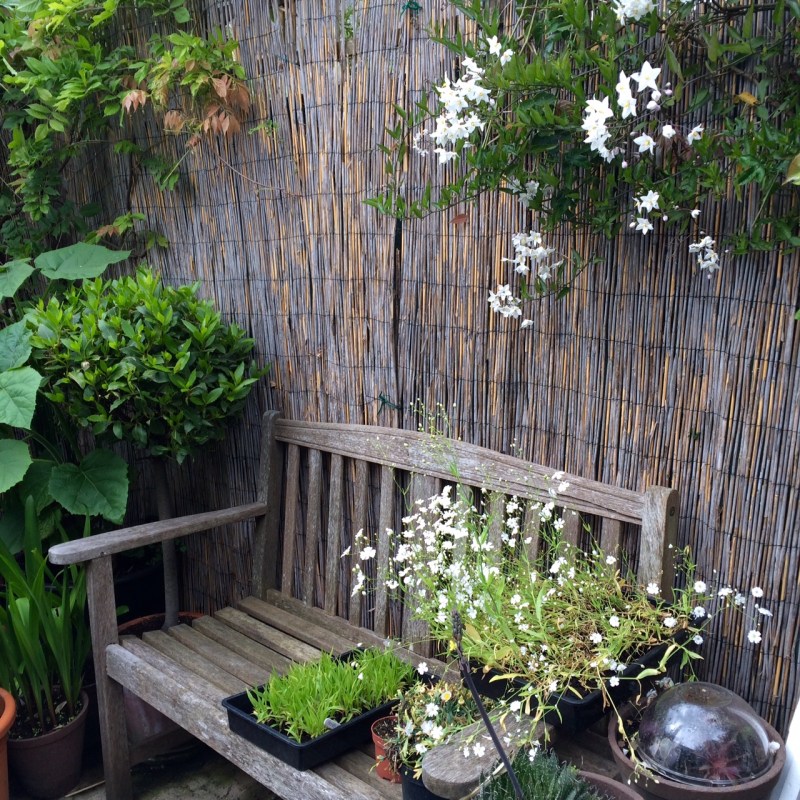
(382, 730)
(427, 716)
(320, 709)
(44, 644)
(569, 629)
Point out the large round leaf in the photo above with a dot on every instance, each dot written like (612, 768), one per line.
(78, 261)
(14, 462)
(12, 275)
(98, 486)
(18, 389)
(15, 346)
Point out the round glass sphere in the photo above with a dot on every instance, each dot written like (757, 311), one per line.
(703, 734)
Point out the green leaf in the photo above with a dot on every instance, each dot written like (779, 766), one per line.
(98, 486)
(793, 172)
(18, 388)
(14, 462)
(78, 261)
(15, 346)
(12, 276)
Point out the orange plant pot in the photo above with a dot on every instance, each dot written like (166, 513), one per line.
(8, 713)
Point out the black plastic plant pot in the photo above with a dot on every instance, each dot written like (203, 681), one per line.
(311, 753)
(301, 755)
(573, 713)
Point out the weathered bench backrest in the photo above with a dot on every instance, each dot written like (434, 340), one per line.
(331, 480)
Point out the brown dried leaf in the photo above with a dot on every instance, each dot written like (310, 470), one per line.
(233, 125)
(106, 230)
(133, 99)
(239, 99)
(194, 141)
(174, 121)
(221, 86)
(459, 219)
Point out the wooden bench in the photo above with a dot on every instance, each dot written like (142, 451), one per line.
(318, 484)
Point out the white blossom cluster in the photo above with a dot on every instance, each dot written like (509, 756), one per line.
(707, 256)
(503, 302)
(530, 253)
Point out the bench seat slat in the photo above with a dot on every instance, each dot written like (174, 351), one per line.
(349, 783)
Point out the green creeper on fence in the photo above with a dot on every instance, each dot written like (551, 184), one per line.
(153, 365)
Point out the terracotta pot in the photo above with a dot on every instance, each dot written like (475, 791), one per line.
(8, 713)
(48, 766)
(144, 723)
(614, 790)
(664, 789)
(383, 766)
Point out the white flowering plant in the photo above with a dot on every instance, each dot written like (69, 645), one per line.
(557, 621)
(428, 715)
(611, 114)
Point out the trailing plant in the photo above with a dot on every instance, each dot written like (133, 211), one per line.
(309, 697)
(68, 81)
(608, 115)
(44, 633)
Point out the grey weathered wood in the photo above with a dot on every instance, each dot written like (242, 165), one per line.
(110, 706)
(289, 540)
(359, 524)
(106, 544)
(239, 643)
(267, 538)
(313, 525)
(333, 556)
(477, 466)
(611, 536)
(447, 772)
(347, 782)
(384, 548)
(572, 527)
(658, 539)
(173, 649)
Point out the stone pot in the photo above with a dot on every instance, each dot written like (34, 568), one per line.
(383, 766)
(49, 765)
(8, 713)
(661, 788)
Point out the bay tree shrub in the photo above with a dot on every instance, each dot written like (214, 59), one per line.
(142, 362)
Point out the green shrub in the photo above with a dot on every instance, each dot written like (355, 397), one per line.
(142, 362)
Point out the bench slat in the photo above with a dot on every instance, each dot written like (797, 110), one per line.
(333, 560)
(290, 520)
(313, 525)
(349, 783)
(167, 691)
(384, 546)
(172, 648)
(360, 522)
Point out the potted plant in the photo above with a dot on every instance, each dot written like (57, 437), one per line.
(541, 775)
(8, 713)
(572, 632)
(427, 716)
(382, 730)
(697, 741)
(320, 709)
(44, 644)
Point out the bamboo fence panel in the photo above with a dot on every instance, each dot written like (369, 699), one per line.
(647, 373)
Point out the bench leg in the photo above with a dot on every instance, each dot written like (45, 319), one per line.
(110, 704)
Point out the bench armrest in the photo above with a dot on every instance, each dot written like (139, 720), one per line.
(106, 544)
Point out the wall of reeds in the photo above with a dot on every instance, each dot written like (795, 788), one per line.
(646, 373)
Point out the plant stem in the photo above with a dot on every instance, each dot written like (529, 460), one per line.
(168, 550)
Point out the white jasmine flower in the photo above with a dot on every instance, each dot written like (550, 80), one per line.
(526, 323)
(505, 57)
(652, 105)
(646, 77)
(648, 202)
(694, 213)
(754, 637)
(667, 131)
(645, 143)
(493, 45)
(644, 225)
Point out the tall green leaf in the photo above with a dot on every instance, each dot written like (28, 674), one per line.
(15, 346)
(14, 462)
(18, 389)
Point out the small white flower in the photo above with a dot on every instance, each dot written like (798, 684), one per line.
(764, 611)
(613, 621)
(345, 553)
(479, 750)
(725, 592)
(697, 639)
(694, 134)
(667, 131)
(773, 747)
(610, 560)
(700, 587)
(506, 56)
(431, 710)
(515, 706)
(694, 213)
(595, 637)
(646, 77)
(553, 686)
(670, 622)
(652, 588)
(493, 45)
(361, 676)
(757, 592)
(422, 667)
(698, 611)
(739, 599)
(644, 225)
(420, 748)
(652, 106)
(367, 553)
(613, 681)
(645, 143)
(754, 637)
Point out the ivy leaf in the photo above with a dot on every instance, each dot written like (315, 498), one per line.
(793, 173)
(15, 346)
(14, 462)
(98, 486)
(12, 276)
(79, 261)
(18, 388)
